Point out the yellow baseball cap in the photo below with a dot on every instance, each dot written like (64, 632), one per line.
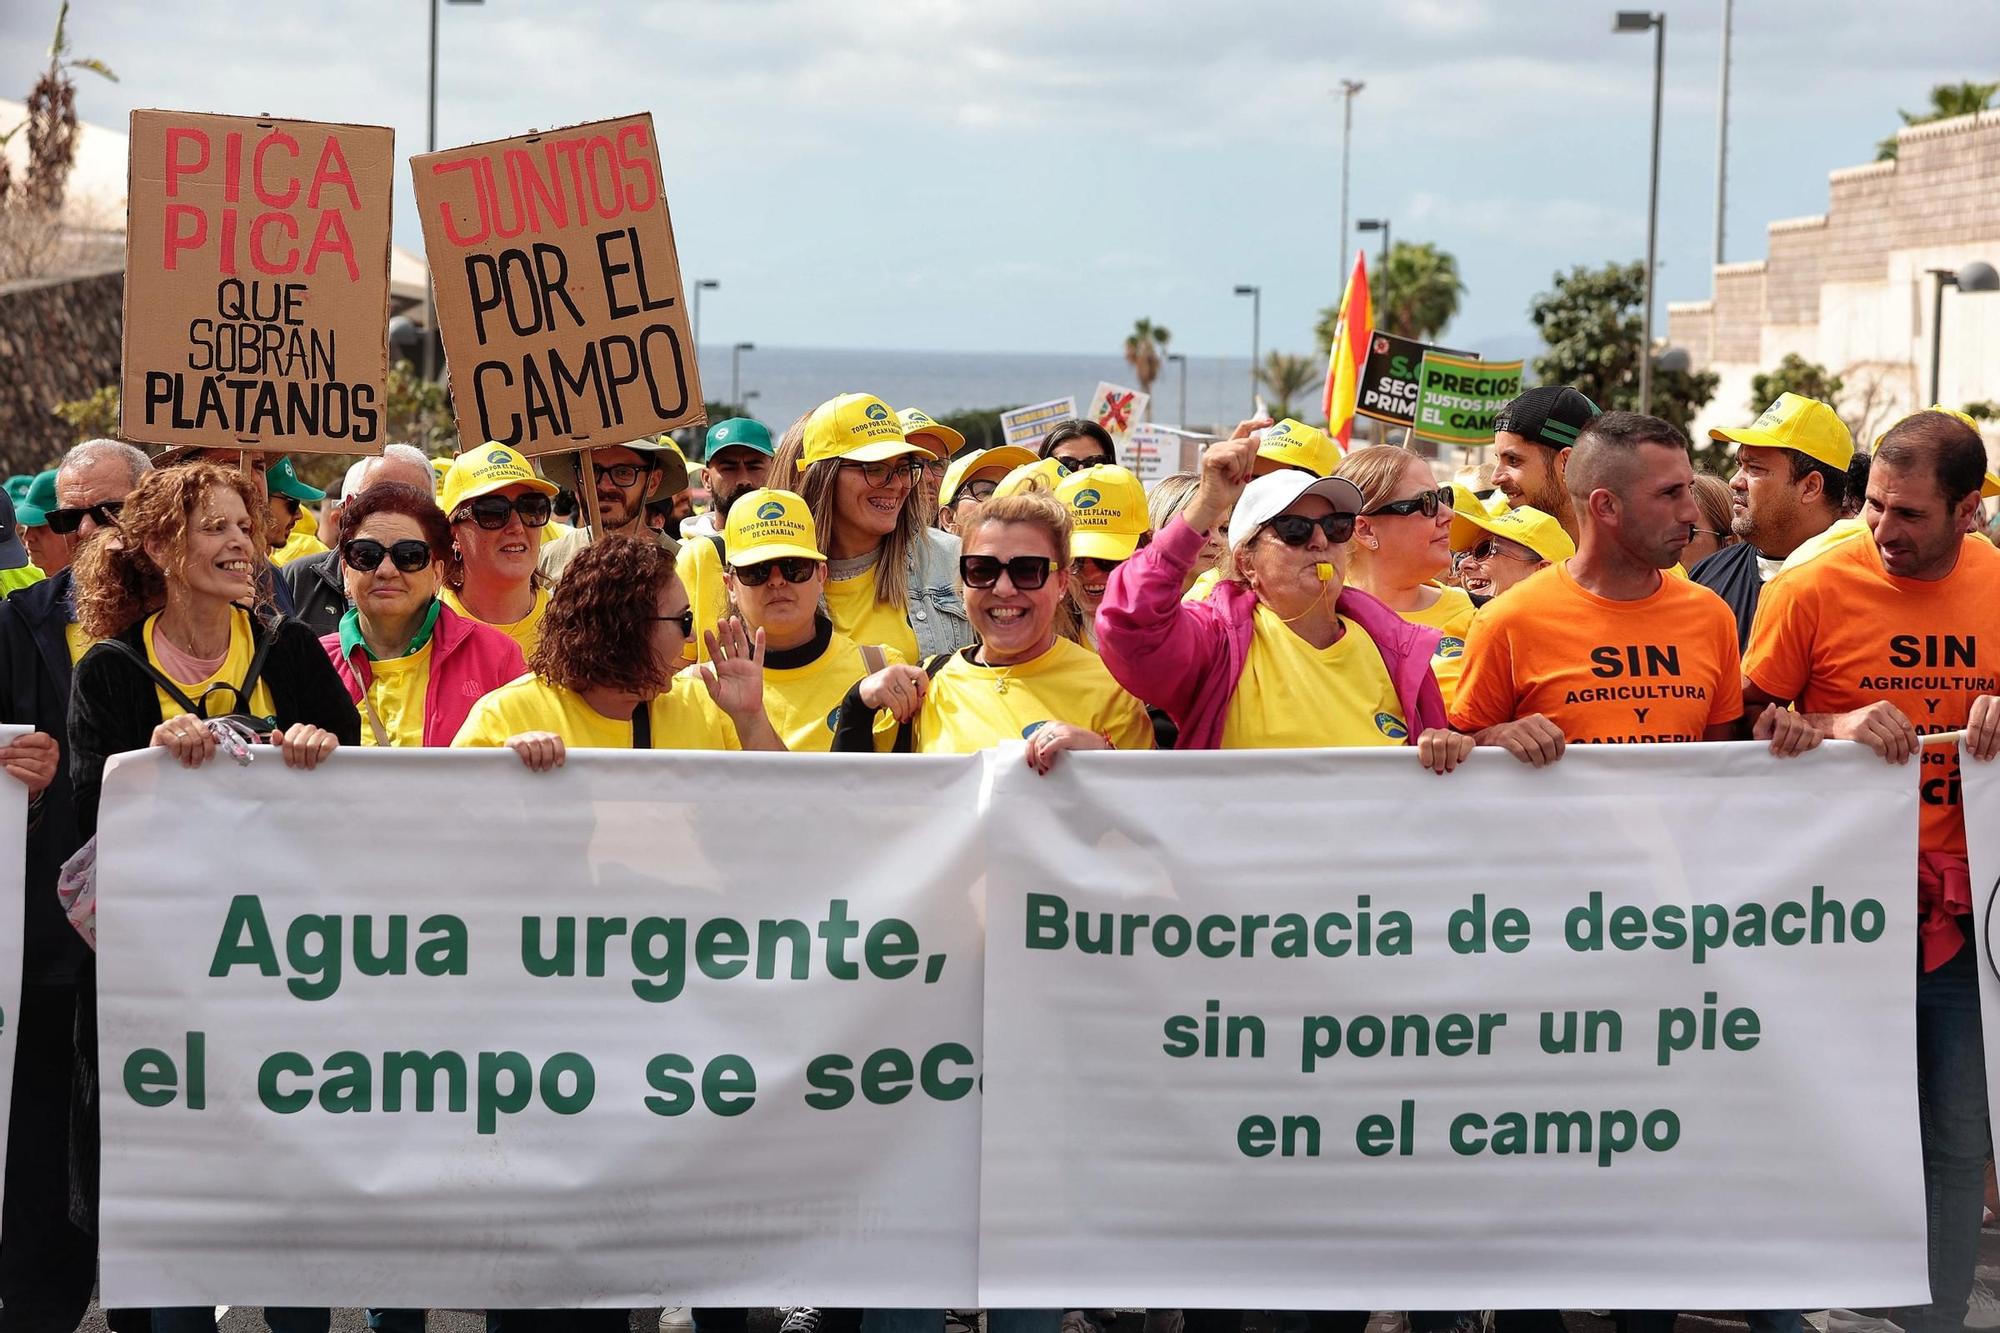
(1044, 474)
(1296, 445)
(1527, 525)
(769, 525)
(858, 427)
(918, 428)
(1465, 500)
(1007, 456)
(1803, 425)
(1107, 511)
(1990, 487)
(484, 470)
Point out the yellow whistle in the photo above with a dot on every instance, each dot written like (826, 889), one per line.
(1325, 571)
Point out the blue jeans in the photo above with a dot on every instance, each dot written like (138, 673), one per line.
(277, 1318)
(932, 1321)
(1951, 1106)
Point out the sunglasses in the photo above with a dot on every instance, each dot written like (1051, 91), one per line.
(1028, 572)
(1488, 547)
(622, 474)
(879, 475)
(1090, 564)
(1297, 529)
(365, 555)
(1426, 504)
(491, 511)
(684, 619)
(1079, 464)
(796, 569)
(63, 522)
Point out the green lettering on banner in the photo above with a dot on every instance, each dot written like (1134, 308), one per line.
(1458, 398)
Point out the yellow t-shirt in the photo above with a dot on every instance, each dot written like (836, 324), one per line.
(684, 718)
(79, 643)
(397, 688)
(700, 569)
(1449, 615)
(1295, 696)
(1204, 584)
(856, 613)
(527, 631)
(970, 707)
(235, 666)
(801, 700)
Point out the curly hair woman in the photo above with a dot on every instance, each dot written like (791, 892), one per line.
(602, 676)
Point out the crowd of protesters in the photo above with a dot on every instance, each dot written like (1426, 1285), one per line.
(867, 582)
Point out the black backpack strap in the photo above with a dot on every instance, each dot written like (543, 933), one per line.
(721, 549)
(160, 678)
(642, 726)
(906, 732)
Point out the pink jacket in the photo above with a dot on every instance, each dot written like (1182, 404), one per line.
(1187, 657)
(468, 661)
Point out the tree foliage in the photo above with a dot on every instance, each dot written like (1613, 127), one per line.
(1415, 295)
(31, 206)
(1593, 332)
(1146, 352)
(1795, 374)
(1947, 100)
(1284, 378)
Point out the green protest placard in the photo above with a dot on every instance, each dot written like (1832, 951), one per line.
(1458, 398)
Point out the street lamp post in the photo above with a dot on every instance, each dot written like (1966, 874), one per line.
(1381, 225)
(1180, 358)
(1722, 131)
(1978, 276)
(1256, 295)
(1638, 20)
(700, 285)
(1348, 88)
(430, 146)
(735, 362)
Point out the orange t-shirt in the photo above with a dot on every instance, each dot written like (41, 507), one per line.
(1840, 632)
(1663, 668)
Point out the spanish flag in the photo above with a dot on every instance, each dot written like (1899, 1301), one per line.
(1349, 353)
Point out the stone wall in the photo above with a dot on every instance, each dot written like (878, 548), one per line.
(59, 340)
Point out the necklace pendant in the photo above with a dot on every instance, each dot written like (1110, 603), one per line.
(1000, 685)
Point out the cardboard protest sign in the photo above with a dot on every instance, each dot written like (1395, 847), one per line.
(1118, 409)
(558, 287)
(1026, 426)
(256, 283)
(1458, 397)
(1389, 377)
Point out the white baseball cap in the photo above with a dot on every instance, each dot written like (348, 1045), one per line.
(1275, 492)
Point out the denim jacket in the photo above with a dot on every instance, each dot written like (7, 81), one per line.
(936, 612)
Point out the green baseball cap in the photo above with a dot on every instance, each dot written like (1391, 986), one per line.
(17, 486)
(33, 508)
(738, 433)
(282, 480)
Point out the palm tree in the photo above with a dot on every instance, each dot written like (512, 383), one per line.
(1146, 353)
(1285, 378)
(1947, 100)
(1415, 296)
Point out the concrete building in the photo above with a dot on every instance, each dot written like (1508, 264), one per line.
(1850, 288)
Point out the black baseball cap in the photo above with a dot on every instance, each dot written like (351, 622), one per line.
(13, 552)
(1549, 414)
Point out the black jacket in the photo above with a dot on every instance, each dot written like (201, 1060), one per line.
(114, 706)
(34, 691)
(1732, 575)
(317, 594)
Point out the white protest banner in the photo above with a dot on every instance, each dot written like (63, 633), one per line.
(13, 871)
(1118, 409)
(1634, 1030)
(1150, 452)
(1979, 791)
(651, 1029)
(1026, 426)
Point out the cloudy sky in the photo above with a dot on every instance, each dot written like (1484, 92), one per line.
(1031, 175)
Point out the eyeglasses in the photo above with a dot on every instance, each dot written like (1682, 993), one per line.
(1488, 547)
(880, 475)
(1079, 464)
(63, 522)
(622, 474)
(1090, 564)
(936, 466)
(684, 619)
(1028, 572)
(365, 555)
(491, 511)
(1297, 529)
(1427, 504)
(981, 490)
(795, 568)
(1699, 532)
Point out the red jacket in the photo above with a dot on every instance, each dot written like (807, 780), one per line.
(468, 660)
(1187, 657)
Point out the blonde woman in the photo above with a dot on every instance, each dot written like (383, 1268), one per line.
(1402, 540)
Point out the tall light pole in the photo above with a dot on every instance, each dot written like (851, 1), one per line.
(700, 285)
(1978, 276)
(1348, 88)
(1180, 358)
(431, 341)
(1381, 225)
(1722, 132)
(1638, 20)
(1256, 295)
(735, 363)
